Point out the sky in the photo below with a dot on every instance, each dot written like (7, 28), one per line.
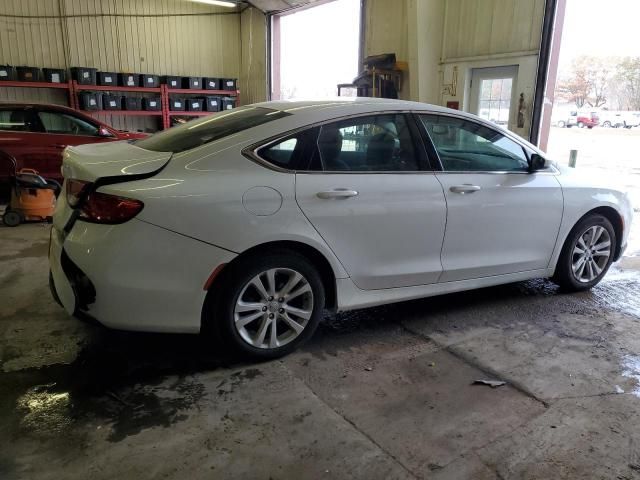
(600, 28)
(320, 49)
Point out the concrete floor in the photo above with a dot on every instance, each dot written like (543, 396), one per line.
(383, 393)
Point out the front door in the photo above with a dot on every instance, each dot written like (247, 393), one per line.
(500, 218)
(493, 94)
(372, 202)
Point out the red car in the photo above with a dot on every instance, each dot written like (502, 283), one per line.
(36, 134)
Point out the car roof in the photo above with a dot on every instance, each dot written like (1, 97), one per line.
(348, 104)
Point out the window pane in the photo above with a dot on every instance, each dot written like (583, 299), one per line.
(208, 129)
(280, 154)
(463, 145)
(62, 123)
(13, 120)
(380, 143)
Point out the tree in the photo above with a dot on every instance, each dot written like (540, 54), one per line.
(628, 79)
(586, 82)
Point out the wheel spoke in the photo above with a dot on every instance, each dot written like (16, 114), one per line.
(579, 263)
(243, 307)
(244, 321)
(578, 251)
(606, 244)
(589, 271)
(298, 312)
(299, 291)
(292, 323)
(262, 332)
(581, 269)
(259, 286)
(273, 341)
(271, 281)
(292, 282)
(596, 267)
(582, 243)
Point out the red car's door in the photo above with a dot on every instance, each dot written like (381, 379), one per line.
(58, 130)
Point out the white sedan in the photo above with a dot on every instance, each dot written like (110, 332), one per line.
(254, 220)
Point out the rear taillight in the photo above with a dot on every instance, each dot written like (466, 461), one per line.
(100, 207)
(104, 208)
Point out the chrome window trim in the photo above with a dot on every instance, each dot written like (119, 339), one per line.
(251, 152)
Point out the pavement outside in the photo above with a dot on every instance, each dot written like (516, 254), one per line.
(384, 393)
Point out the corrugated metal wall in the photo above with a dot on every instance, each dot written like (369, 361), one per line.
(146, 36)
(490, 27)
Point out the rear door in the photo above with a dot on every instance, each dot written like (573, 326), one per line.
(369, 194)
(500, 219)
(57, 130)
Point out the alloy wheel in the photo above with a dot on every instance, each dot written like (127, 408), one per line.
(273, 308)
(591, 254)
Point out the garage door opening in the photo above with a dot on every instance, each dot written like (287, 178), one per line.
(314, 49)
(596, 102)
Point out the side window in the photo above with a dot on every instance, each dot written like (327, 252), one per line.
(55, 122)
(14, 121)
(464, 145)
(380, 143)
(281, 154)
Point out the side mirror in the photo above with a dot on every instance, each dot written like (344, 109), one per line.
(536, 162)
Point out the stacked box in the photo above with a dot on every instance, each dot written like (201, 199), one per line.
(152, 104)
(90, 101)
(150, 81)
(229, 84)
(195, 104)
(176, 104)
(84, 75)
(212, 104)
(133, 103)
(192, 83)
(228, 103)
(28, 74)
(111, 102)
(7, 73)
(54, 75)
(211, 83)
(129, 79)
(173, 82)
(109, 79)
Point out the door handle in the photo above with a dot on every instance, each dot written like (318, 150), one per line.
(337, 193)
(59, 145)
(464, 189)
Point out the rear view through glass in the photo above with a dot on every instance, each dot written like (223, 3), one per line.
(209, 129)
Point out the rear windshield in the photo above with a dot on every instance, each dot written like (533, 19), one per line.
(209, 129)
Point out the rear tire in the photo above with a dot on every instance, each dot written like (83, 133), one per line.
(278, 290)
(580, 125)
(586, 255)
(561, 124)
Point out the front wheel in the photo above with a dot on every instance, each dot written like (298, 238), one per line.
(561, 124)
(271, 304)
(580, 125)
(587, 254)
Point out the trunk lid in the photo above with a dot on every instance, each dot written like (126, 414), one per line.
(111, 161)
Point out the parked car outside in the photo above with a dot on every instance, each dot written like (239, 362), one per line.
(611, 119)
(562, 118)
(631, 119)
(36, 135)
(251, 222)
(586, 119)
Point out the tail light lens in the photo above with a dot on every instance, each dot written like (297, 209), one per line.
(97, 207)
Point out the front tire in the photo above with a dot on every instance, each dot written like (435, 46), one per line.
(271, 304)
(586, 255)
(580, 125)
(561, 124)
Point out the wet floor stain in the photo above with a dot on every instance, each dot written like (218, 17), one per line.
(123, 382)
(631, 369)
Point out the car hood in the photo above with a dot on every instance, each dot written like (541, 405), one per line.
(113, 159)
(594, 178)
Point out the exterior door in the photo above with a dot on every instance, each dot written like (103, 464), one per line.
(370, 200)
(500, 218)
(493, 94)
